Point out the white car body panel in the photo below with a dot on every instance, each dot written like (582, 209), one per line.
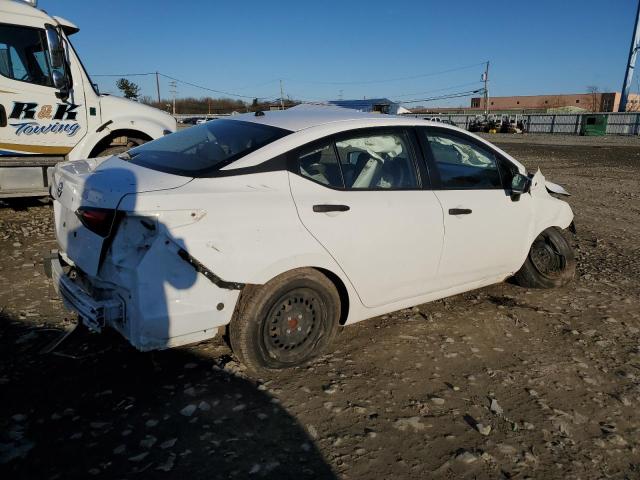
(357, 238)
(390, 250)
(500, 237)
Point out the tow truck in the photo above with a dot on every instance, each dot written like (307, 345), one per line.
(50, 111)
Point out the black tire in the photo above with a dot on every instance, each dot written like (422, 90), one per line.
(550, 262)
(286, 322)
(118, 149)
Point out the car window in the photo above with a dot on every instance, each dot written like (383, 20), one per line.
(24, 56)
(319, 163)
(204, 148)
(462, 164)
(377, 161)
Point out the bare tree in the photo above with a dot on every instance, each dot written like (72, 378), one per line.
(594, 90)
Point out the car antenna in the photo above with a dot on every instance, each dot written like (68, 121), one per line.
(259, 113)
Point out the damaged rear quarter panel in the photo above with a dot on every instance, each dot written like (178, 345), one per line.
(248, 233)
(168, 303)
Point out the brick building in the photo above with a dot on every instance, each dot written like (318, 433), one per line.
(592, 102)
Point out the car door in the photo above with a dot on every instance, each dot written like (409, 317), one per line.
(37, 122)
(486, 228)
(364, 197)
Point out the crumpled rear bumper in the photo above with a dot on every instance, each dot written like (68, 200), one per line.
(147, 309)
(95, 314)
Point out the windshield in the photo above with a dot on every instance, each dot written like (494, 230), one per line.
(204, 148)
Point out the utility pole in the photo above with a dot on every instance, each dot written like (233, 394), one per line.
(631, 64)
(485, 79)
(174, 91)
(158, 86)
(281, 96)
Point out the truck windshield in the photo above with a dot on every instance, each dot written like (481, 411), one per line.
(204, 148)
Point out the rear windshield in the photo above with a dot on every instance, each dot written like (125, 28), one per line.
(196, 151)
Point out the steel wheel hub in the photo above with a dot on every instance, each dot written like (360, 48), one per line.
(293, 322)
(546, 257)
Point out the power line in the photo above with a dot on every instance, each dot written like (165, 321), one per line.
(124, 74)
(397, 79)
(445, 97)
(452, 87)
(222, 92)
(206, 88)
(363, 82)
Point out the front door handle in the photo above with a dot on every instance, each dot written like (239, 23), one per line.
(330, 208)
(3, 116)
(459, 211)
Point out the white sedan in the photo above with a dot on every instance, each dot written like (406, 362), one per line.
(282, 226)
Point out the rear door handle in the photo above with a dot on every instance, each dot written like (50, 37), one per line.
(330, 208)
(459, 211)
(3, 116)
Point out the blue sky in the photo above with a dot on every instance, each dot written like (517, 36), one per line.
(364, 48)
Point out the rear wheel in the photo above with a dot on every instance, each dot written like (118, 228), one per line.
(286, 322)
(550, 262)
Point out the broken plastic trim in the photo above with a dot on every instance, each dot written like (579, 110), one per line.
(212, 277)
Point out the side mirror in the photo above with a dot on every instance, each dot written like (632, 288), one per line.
(520, 184)
(59, 80)
(58, 62)
(56, 51)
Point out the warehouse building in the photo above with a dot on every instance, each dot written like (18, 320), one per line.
(563, 103)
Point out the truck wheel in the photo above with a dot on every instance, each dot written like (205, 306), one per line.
(118, 149)
(286, 322)
(550, 262)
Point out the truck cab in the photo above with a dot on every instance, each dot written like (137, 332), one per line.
(50, 111)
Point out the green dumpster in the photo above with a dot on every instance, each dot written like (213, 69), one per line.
(594, 125)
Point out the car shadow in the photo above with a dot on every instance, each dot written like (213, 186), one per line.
(97, 408)
(22, 204)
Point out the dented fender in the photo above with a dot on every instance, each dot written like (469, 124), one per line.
(539, 181)
(548, 210)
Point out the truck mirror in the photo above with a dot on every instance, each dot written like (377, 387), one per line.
(56, 50)
(58, 80)
(57, 60)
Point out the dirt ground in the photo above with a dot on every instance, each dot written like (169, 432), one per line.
(502, 382)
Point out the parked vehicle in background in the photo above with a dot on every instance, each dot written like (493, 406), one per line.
(283, 225)
(190, 120)
(49, 109)
(485, 123)
(440, 119)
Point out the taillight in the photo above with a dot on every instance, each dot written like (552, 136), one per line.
(98, 220)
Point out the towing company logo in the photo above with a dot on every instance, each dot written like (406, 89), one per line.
(62, 121)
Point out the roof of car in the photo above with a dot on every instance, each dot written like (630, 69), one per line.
(308, 115)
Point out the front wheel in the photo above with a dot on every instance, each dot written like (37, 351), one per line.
(550, 263)
(128, 144)
(286, 322)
